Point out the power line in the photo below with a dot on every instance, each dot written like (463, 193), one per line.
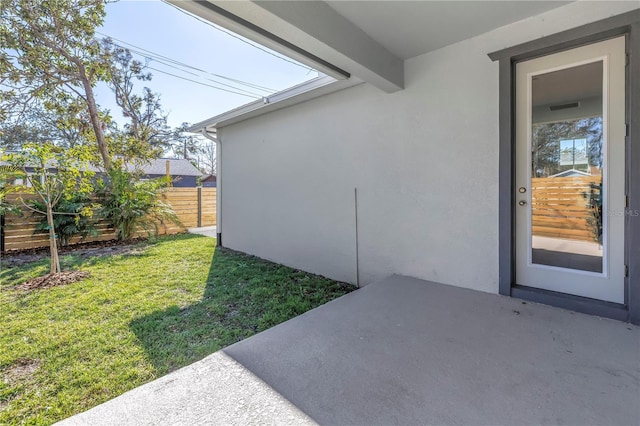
(258, 95)
(234, 89)
(204, 84)
(204, 21)
(253, 94)
(158, 57)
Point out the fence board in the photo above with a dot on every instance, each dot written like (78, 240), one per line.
(19, 231)
(562, 207)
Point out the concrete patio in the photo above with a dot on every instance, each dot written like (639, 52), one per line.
(405, 351)
(207, 231)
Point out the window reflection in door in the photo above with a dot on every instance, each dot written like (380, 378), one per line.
(567, 150)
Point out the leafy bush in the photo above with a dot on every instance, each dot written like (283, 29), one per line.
(8, 174)
(132, 204)
(69, 220)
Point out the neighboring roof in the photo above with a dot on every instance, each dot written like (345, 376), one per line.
(207, 178)
(50, 164)
(571, 172)
(177, 166)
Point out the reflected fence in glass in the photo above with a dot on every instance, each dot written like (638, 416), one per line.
(567, 158)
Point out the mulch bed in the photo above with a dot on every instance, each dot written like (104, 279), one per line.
(55, 280)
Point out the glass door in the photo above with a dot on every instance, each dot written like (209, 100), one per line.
(570, 171)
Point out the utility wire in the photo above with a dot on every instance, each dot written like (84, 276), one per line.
(158, 57)
(204, 21)
(258, 95)
(253, 94)
(204, 84)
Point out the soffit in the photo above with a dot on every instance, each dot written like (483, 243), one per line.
(411, 28)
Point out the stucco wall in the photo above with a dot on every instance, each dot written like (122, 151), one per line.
(424, 160)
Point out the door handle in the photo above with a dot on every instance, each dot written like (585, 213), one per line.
(522, 203)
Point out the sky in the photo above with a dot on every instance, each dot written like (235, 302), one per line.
(162, 29)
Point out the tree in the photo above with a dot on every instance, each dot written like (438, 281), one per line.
(48, 54)
(53, 174)
(64, 127)
(147, 134)
(13, 134)
(69, 220)
(546, 139)
(185, 144)
(209, 158)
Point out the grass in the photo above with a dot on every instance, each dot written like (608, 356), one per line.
(137, 317)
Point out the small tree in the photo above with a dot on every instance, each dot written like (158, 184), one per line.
(69, 221)
(52, 174)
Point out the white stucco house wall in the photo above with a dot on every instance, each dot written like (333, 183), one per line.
(410, 94)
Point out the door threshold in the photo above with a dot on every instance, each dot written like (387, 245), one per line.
(570, 302)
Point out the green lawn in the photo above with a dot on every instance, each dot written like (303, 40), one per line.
(139, 316)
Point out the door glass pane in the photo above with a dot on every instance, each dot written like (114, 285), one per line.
(567, 168)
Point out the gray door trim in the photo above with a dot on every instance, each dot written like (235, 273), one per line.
(627, 24)
(633, 167)
(575, 37)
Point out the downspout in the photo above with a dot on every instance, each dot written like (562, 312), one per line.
(209, 135)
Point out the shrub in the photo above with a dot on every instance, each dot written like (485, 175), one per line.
(8, 175)
(132, 204)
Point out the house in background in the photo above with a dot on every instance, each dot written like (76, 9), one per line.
(352, 170)
(571, 173)
(209, 181)
(183, 173)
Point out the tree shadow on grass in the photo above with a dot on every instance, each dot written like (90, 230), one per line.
(243, 295)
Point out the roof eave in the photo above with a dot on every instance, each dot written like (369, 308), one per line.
(311, 89)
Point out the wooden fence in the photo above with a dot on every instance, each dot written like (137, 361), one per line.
(194, 207)
(566, 207)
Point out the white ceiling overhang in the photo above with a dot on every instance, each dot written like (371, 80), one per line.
(308, 31)
(411, 28)
(366, 39)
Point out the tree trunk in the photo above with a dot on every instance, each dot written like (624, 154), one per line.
(95, 119)
(53, 244)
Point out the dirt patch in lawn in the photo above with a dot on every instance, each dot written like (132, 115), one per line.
(55, 280)
(21, 369)
(85, 250)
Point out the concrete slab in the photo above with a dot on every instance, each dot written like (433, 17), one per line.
(207, 231)
(216, 390)
(406, 351)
